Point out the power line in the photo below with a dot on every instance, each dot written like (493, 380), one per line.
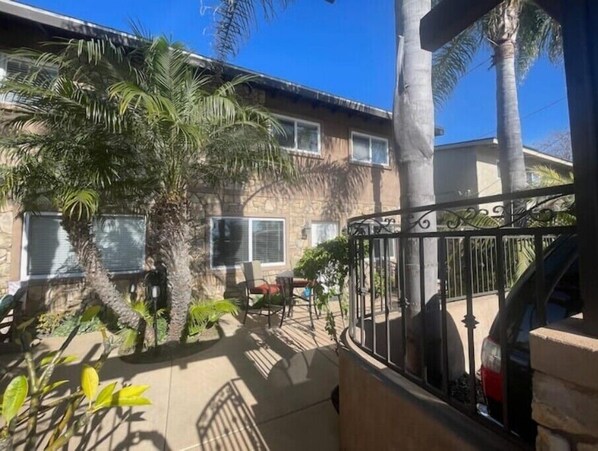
(542, 108)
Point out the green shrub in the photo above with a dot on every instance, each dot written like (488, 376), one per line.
(204, 314)
(60, 324)
(47, 322)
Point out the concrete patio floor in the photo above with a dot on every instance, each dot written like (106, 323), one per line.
(255, 388)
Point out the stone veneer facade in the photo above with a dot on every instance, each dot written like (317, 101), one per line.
(565, 403)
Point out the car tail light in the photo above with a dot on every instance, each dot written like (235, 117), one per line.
(490, 372)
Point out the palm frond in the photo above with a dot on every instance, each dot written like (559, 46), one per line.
(451, 62)
(204, 313)
(538, 34)
(236, 18)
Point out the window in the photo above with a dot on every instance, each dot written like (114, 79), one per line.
(532, 178)
(47, 251)
(323, 231)
(19, 67)
(235, 240)
(369, 149)
(298, 135)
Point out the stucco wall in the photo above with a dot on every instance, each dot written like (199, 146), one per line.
(383, 411)
(455, 175)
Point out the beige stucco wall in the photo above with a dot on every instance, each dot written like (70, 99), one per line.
(381, 410)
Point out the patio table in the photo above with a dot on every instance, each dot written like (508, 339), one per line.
(289, 284)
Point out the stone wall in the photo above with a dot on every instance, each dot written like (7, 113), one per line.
(6, 241)
(565, 386)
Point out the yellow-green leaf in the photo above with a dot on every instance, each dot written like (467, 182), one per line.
(14, 397)
(90, 382)
(133, 390)
(90, 313)
(127, 397)
(105, 395)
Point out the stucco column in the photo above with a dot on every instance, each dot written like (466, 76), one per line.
(565, 404)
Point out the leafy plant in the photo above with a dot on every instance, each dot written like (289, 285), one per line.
(328, 265)
(202, 314)
(47, 322)
(29, 396)
(130, 337)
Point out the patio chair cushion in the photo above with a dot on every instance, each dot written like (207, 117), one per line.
(265, 288)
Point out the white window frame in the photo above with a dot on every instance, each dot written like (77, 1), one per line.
(4, 58)
(73, 275)
(295, 121)
(370, 137)
(250, 220)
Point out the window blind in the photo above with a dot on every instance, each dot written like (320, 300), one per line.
(121, 241)
(268, 241)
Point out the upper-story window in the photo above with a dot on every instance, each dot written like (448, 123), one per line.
(12, 67)
(298, 135)
(369, 149)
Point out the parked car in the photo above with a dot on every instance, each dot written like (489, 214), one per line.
(563, 300)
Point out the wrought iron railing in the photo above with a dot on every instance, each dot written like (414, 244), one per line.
(404, 271)
(483, 256)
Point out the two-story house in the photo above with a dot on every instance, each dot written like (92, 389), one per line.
(341, 147)
(470, 168)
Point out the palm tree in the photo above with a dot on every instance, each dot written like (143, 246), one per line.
(413, 126)
(201, 133)
(517, 31)
(66, 147)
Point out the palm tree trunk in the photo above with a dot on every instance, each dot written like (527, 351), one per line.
(512, 164)
(413, 126)
(81, 238)
(170, 237)
(503, 36)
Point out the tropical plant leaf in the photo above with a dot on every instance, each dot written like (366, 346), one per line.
(90, 382)
(126, 397)
(90, 313)
(202, 313)
(105, 396)
(235, 18)
(14, 397)
(451, 62)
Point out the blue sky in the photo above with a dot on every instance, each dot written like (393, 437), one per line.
(346, 49)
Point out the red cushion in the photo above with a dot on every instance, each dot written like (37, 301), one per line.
(265, 288)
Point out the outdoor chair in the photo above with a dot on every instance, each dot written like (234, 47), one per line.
(262, 297)
(9, 312)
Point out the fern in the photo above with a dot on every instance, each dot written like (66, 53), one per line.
(202, 314)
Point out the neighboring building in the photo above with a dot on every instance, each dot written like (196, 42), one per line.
(341, 147)
(470, 168)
